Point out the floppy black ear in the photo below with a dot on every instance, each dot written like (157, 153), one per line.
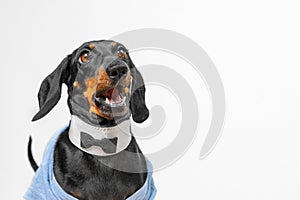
(50, 90)
(138, 106)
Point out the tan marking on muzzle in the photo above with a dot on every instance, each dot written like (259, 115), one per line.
(94, 84)
(104, 81)
(90, 91)
(126, 90)
(126, 82)
(77, 85)
(76, 194)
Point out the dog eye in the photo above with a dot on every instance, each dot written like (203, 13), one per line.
(85, 57)
(122, 53)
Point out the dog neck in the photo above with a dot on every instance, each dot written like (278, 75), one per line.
(120, 133)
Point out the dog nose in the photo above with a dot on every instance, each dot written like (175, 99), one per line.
(117, 72)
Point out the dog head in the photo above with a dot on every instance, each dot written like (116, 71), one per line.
(104, 86)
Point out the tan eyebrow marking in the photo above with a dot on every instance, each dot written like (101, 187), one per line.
(113, 44)
(91, 46)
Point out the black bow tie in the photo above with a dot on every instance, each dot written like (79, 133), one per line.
(107, 145)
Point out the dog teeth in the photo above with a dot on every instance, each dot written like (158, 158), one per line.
(109, 102)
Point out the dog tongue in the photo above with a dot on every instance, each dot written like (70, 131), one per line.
(113, 95)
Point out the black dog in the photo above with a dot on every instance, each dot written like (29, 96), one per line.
(104, 89)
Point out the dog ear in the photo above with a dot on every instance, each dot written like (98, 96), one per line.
(138, 106)
(50, 90)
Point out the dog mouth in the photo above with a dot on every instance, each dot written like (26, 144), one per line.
(112, 101)
(112, 97)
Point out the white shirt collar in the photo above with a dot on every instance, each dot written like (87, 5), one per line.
(121, 131)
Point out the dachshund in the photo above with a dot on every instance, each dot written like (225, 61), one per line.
(96, 156)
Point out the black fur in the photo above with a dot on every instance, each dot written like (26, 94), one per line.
(80, 174)
(77, 171)
(30, 157)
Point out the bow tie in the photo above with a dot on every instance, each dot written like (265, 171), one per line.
(107, 145)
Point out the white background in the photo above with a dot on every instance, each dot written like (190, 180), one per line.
(255, 46)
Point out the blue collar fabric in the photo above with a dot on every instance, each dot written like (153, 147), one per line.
(45, 187)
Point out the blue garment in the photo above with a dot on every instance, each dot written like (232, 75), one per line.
(45, 187)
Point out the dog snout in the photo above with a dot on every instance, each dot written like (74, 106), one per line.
(117, 72)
